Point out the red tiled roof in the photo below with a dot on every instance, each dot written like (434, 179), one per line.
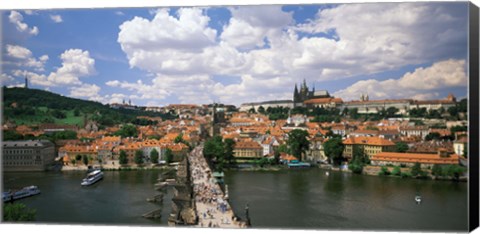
(368, 141)
(413, 158)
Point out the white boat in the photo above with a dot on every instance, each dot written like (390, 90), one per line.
(22, 193)
(418, 199)
(92, 177)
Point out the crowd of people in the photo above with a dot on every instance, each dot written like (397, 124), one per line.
(212, 208)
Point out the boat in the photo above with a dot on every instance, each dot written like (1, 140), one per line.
(418, 199)
(22, 193)
(92, 177)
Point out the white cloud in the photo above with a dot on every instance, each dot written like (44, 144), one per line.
(30, 12)
(119, 13)
(17, 19)
(76, 63)
(423, 83)
(5, 79)
(252, 26)
(262, 45)
(377, 37)
(24, 57)
(56, 18)
(89, 91)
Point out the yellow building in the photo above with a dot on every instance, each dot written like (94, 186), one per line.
(247, 149)
(369, 145)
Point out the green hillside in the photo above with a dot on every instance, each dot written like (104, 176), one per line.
(33, 106)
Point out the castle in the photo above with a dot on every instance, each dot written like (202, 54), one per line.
(299, 97)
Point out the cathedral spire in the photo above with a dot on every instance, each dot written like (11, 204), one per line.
(295, 93)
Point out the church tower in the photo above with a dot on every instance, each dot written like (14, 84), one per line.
(26, 82)
(295, 94)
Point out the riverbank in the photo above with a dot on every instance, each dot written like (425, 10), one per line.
(109, 167)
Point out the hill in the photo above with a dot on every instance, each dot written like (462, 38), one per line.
(34, 106)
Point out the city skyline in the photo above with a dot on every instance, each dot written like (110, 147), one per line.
(234, 55)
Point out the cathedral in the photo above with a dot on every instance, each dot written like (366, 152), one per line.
(299, 96)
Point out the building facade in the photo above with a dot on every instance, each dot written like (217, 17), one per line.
(27, 155)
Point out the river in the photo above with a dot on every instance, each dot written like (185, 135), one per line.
(119, 199)
(292, 199)
(309, 199)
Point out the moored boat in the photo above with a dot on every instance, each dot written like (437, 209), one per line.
(92, 177)
(22, 193)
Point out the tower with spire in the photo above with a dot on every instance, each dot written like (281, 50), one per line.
(26, 82)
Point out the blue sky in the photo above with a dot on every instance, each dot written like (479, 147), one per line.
(158, 56)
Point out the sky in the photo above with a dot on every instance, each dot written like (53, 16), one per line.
(239, 54)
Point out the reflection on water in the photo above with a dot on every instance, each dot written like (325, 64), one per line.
(309, 199)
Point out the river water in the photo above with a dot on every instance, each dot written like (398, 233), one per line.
(309, 199)
(291, 199)
(118, 199)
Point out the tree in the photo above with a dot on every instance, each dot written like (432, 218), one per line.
(416, 169)
(229, 145)
(154, 156)
(276, 157)
(261, 110)
(391, 111)
(401, 147)
(73, 161)
(78, 157)
(138, 157)
(76, 112)
(298, 142)
(384, 171)
(127, 130)
(168, 155)
(283, 148)
(18, 212)
(333, 149)
(179, 138)
(354, 113)
(123, 157)
(396, 171)
(85, 160)
(437, 170)
(432, 136)
(356, 167)
(213, 148)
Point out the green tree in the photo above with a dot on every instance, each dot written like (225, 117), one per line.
(437, 170)
(154, 156)
(401, 147)
(384, 171)
(214, 148)
(261, 110)
(276, 157)
(76, 112)
(333, 149)
(396, 171)
(391, 111)
(73, 161)
(122, 158)
(18, 212)
(85, 160)
(168, 155)
(78, 157)
(356, 167)
(283, 148)
(127, 130)
(178, 139)
(229, 145)
(416, 169)
(138, 157)
(298, 142)
(432, 136)
(354, 113)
